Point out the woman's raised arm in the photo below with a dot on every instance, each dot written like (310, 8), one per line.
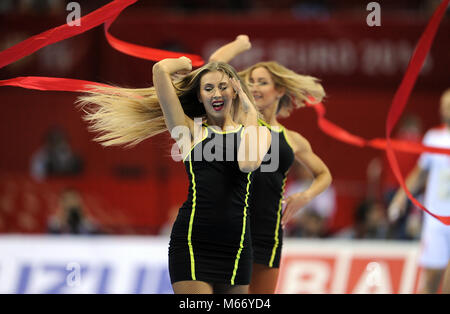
(228, 52)
(170, 104)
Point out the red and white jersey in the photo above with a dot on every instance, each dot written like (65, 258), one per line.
(437, 193)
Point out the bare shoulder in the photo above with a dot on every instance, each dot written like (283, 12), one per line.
(297, 141)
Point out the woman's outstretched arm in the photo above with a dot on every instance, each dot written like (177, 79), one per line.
(228, 52)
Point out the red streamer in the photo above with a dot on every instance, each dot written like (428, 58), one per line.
(403, 93)
(51, 83)
(34, 43)
(108, 13)
(398, 105)
(342, 135)
(146, 52)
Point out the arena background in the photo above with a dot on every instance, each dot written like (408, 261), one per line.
(134, 191)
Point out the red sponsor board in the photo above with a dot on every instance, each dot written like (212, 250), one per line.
(350, 267)
(375, 275)
(307, 274)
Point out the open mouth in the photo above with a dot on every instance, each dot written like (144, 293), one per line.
(257, 97)
(218, 105)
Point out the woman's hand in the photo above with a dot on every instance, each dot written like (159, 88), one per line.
(172, 65)
(229, 51)
(244, 42)
(246, 103)
(185, 65)
(293, 204)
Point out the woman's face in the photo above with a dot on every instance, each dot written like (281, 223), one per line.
(263, 88)
(216, 94)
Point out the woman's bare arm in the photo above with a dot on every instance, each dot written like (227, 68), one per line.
(228, 52)
(322, 176)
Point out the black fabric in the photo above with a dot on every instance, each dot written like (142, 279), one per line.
(218, 220)
(266, 194)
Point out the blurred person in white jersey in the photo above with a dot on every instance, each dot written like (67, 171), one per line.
(432, 170)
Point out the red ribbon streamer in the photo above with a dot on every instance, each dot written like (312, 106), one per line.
(146, 52)
(51, 83)
(34, 43)
(403, 93)
(398, 105)
(342, 135)
(106, 14)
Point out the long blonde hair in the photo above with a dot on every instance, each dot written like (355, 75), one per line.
(123, 116)
(298, 87)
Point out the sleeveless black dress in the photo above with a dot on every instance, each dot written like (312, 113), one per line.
(265, 201)
(210, 239)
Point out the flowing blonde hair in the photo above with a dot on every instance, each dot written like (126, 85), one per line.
(123, 116)
(297, 87)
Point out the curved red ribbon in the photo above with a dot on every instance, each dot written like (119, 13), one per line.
(403, 93)
(36, 42)
(106, 14)
(342, 135)
(146, 52)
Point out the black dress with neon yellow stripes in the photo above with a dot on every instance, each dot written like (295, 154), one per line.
(265, 200)
(210, 239)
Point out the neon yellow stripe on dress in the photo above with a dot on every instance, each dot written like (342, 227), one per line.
(191, 221)
(280, 127)
(277, 227)
(241, 244)
(225, 132)
(193, 146)
(287, 141)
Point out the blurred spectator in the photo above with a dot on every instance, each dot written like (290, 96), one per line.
(70, 218)
(410, 129)
(432, 172)
(370, 220)
(313, 220)
(311, 9)
(6, 6)
(42, 6)
(55, 158)
(370, 216)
